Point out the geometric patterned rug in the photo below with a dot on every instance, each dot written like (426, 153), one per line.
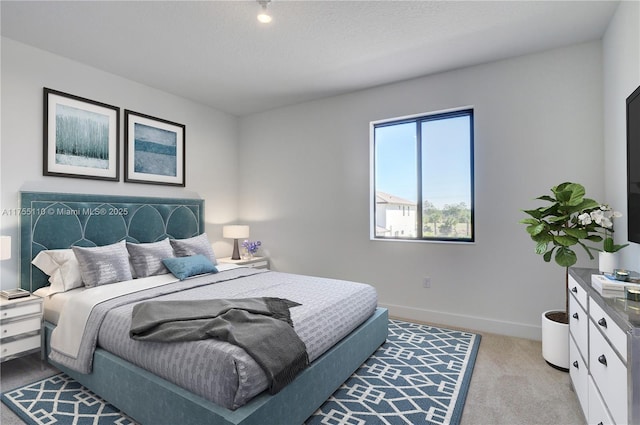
(61, 400)
(419, 376)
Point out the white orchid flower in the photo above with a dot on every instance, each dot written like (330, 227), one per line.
(584, 219)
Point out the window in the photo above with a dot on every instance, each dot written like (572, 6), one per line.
(422, 174)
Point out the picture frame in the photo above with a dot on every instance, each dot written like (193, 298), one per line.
(154, 150)
(81, 137)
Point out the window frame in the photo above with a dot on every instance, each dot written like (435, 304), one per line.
(419, 119)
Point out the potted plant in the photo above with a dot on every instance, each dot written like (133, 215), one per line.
(557, 230)
(603, 216)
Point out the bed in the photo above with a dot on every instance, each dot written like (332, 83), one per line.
(57, 221)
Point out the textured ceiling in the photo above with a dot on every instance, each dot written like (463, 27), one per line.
(216, 53)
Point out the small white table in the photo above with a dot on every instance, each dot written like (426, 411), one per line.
(254, 262)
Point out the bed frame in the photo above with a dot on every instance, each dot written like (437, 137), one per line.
(57, 221)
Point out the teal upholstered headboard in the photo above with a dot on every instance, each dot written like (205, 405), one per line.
(61, 220)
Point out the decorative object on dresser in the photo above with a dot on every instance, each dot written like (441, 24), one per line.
(154, 150)
(603, 216)
(81, 137)
(570, 219)
(235, 232)
(20, 326)
(253, 262)
(604, 350)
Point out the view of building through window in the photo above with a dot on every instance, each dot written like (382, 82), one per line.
(423, 173)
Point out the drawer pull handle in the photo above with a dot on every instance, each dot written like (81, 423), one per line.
(575, 364)
(602, 322)
(602, 359)
(574, 290)
(575, 316)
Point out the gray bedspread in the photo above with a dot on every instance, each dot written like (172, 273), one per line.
(261, 326)
(216, 370)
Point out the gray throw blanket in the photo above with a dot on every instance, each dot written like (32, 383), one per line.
(261, 326)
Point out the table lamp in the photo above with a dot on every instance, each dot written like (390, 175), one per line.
(235, 232)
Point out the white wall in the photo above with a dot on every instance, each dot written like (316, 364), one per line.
(211, 136)
(538, 122)
(621, 53)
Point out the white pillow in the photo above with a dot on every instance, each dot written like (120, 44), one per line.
(62, 267)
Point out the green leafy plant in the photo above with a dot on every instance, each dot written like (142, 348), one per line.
(556, 229)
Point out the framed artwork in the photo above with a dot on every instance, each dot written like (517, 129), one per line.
(154, 150)
(81, 137)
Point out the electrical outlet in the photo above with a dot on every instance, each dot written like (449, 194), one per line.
(426, 282)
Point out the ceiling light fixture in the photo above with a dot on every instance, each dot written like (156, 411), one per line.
(264, 16)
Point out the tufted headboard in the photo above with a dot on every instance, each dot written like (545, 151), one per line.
(61, 220)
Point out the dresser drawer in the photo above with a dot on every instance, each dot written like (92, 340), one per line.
(609, 328)
(578, 291)
(19, 346)
(609, 375)
(598, 414)
(18, 327)
(21, 310)
(578, 325)
(579, 376)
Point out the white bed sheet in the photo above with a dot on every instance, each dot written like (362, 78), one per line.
(54, 303)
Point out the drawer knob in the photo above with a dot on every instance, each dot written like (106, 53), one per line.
(602, 322)
(602, 359)
(574, 290)
(575, 364)
(575, 316)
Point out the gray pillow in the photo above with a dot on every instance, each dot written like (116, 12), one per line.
(198, 245)
(146, 258)
(103, 264)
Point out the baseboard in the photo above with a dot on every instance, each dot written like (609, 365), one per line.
(481, 324)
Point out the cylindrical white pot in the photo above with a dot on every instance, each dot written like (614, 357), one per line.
(555, 342)
(607, 262)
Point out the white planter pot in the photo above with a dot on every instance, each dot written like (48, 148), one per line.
(555, 342)
(607, 262)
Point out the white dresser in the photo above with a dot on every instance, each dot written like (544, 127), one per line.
(20, 326)
(604, 351)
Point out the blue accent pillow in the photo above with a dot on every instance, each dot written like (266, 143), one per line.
(184, 267)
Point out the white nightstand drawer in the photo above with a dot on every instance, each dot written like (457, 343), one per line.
(578, 325)
(19, 346)
(18, 327)
(258, 265)
(21, 310)
(609, 328)
(609, 375)
(578, 292)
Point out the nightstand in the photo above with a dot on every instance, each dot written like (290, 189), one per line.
(255, 262)
(20, 326)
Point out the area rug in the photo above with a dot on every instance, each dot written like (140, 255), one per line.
(420, 375)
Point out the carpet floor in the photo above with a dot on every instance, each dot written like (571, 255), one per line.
(421, 375)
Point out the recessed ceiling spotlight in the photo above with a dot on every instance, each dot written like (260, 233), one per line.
(264, 16)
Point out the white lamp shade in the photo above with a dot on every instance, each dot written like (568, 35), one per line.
(5, 247)
(235, 232)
